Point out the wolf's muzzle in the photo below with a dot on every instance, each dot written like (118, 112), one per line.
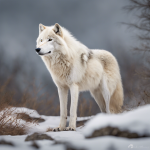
(37, 50)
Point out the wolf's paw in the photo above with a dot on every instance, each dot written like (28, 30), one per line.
(69, 129)
(58, 129)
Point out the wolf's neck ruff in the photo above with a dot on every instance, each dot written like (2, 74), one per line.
(60, 65)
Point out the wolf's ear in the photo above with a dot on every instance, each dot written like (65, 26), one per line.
(41, 28)
(58, 30)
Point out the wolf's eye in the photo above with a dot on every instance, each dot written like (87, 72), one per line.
(49, 39)
(41, 40)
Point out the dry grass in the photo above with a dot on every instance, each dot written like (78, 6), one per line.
(13, 123)
(10, 125)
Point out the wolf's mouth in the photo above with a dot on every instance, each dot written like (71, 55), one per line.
(41, 54)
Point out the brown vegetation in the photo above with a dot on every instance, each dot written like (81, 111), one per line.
(9, 119)
(10, 125)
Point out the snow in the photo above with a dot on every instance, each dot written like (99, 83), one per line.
(109, 142)
(134, 121)
(20, 144)
(50, 121)
(15, 110)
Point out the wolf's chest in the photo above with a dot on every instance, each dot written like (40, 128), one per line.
(58, 66)
(60, 71)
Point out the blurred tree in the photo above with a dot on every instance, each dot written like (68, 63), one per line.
(141, 9)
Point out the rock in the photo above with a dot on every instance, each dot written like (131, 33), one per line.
(67, 145)
(115, 132)
(38, 136)
(3, 142)
(35, 145)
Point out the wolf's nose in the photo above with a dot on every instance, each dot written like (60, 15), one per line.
(37, 50)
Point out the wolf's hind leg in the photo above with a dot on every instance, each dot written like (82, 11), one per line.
(63, 97)
(97, 95)
(105, 93)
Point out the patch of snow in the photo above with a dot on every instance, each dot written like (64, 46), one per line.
(20, 144)
(50, 122)
(77, 140)
(66, 135)
(134, 121)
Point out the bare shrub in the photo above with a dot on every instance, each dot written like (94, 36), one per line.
(10, 125)
(10, 122)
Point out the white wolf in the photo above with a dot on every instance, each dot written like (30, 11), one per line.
(73, 66)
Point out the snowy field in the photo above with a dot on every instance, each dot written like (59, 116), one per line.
(136, 121)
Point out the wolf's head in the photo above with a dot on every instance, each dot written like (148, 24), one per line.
(51, 40)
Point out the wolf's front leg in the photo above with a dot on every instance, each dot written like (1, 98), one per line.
(73, 110)
(63, 97)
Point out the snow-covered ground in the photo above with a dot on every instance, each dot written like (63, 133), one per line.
(134, 121)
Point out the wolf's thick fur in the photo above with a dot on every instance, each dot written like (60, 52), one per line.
(73, 66)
